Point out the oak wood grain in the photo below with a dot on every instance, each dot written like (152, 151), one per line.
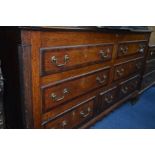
(71, 77)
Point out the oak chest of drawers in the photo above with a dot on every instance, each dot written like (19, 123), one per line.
(66, 77)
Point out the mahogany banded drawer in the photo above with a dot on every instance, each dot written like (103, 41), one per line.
(128, 68)
(129, 86)
(59, 59)
(56, 94)
(73, 118)
(68, 106)
(132, 37)
(131, 48)
(70, 38)
(107, 98)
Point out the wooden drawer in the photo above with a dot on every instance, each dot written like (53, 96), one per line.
(148, 79)
(135, 66)
(120, 71)
(128, 86)
(132, 37)
(132, 48)
(150, 66)
(70, 38)
(151, 54)
(68, 106)
(63, 91)
(127, 68)
(73, 118)
(107, 98)
(59, 59)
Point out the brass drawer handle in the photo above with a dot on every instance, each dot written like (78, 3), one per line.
(104, 54)
(120, 72)
(54, 61)
(55, 98)
(141, 48)
(124, 50)
(124, 90)
(152, 53)
(99, 79)
(84, 115)
(64, 123)
(109, 99)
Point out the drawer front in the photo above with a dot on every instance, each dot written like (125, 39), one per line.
(150, 66)
(127, 69)
(107, 98)
(128, 87)
(68, 106)
(73, 118)
(69, 38)
(120, 71)
(132, 37)
(64, 122)
(151, 54)
(127, 49)
(59, 93)
(148, 80)
(65, 58)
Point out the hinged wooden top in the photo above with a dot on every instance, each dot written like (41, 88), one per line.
(85, 28)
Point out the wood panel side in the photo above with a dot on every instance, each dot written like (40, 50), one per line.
(36, 96)
(25, 84)
(30, 78)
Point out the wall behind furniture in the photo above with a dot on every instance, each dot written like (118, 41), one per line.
(152, 39)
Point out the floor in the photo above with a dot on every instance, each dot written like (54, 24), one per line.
(138, 116)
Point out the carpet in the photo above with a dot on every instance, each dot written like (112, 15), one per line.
(138, 116)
